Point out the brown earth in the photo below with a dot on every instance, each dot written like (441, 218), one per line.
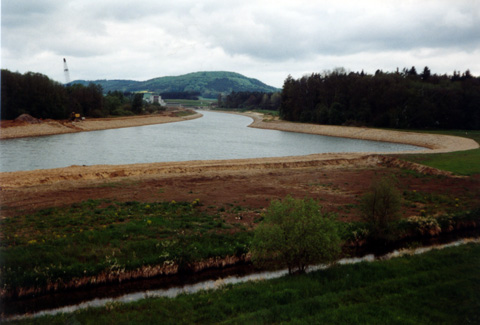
(242, 188)
(31, 127)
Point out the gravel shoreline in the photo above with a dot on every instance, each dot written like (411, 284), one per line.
(52, 127)
(79, 174)
(434, 143)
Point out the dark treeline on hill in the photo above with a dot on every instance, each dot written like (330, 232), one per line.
(193, 95)
(37, 95)
(403, 99)
(250, 100)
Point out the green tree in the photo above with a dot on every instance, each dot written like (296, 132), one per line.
(426, 74)
(137, 103)
(296, 233)
(381, 209)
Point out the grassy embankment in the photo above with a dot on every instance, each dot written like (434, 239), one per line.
(439, 287)
(101, 241)
(462, 162)
(58, 245)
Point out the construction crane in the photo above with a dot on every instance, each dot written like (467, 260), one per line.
(65, 71)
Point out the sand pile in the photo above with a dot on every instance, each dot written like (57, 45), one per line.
(28, 119)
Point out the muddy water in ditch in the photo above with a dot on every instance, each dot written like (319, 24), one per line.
(173, 286)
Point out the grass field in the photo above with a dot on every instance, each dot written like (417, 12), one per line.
(100, 236)
(191, 102)
(462, 162)
(439, 287)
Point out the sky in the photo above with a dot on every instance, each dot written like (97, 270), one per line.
(263, 39)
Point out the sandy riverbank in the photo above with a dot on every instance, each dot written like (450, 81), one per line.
(11, 130)
(433, 142)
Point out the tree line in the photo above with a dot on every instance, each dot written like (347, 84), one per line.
(37, 95)
(250, 100)
(191, 95)
(402, 99)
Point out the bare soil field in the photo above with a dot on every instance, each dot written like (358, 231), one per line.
(336, 180)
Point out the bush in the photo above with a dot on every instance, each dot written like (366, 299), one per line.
(381, 209)
(122, 112)
(295, 232)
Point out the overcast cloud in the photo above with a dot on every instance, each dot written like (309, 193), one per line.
(267, 40)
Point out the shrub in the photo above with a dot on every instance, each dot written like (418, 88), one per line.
(296, 233)
(381, 209)
(421, 225)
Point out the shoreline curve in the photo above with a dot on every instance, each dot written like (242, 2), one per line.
(93, 173)
(54, 127)
(434, 143)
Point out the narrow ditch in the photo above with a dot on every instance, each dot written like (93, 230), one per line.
(171, 286)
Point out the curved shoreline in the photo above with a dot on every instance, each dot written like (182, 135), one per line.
(435, 143)
(52, 127)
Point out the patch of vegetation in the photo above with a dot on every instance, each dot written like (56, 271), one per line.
(184, 113)
(428, 225)
(191, 103)
(296, 233)
(381, 209)
(267, 112)
(436, 287)
(58, 244)
(432, 203)
(460, 162)
(424, 225)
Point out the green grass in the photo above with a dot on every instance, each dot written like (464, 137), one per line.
(267, 112)
(56, 245)
(100, 236)
(461, 162)
(439, 287)
(191, 102)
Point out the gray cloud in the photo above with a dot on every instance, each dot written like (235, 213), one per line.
(264, 39)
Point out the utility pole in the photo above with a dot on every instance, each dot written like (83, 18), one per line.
(65, 71)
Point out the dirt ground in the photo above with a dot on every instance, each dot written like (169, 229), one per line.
(242, 192)
(37, 127)
(240, 189)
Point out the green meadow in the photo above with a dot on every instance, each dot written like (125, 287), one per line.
(438, 287)
(464, 163)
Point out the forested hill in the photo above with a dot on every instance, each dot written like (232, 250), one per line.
(209, 84)
(403, 99)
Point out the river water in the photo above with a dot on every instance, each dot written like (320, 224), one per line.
(214, 136)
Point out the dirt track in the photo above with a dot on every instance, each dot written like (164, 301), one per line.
(337, 180)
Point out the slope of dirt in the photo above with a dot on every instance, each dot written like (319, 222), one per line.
(337, 182)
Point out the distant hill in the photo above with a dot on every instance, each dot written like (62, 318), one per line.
(208, 83)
